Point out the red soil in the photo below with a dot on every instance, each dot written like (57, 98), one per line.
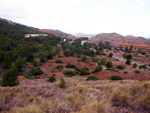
(74, 61)
(106, 74)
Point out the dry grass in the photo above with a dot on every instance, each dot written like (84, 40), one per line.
(40, 96)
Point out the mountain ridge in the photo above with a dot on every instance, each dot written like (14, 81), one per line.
(115, 37)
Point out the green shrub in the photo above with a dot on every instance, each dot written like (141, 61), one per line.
(102, 61)
(72, 66)
(92, 78)
(31, 98)
(120, 67)
(52, 79)
(134, 65)
(128, 62)
(59, 56)
(112, 69)
(84, 71)
(95, 59)
(98, 68)
(52, 70)
(58, 61)
(37, 77)
(116, 78)
(42, 59)
(110, 55)
(69, 73)
(50, 64)
(137, 72)
(109, 64)
(60, 67)
(62, 83)
(125, 72)
(85, 59)
(104, 54)
(29, 57)
(33, 72)
(36, 71)
(49, 55)
(143, 66)
(10, 77)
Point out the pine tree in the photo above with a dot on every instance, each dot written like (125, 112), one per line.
(10, 77)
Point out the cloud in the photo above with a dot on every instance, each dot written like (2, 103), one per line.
(87, 16)
(141, 2)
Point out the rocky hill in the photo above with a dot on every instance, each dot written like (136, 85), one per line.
(114, 37)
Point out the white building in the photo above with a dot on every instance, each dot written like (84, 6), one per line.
(34, 35)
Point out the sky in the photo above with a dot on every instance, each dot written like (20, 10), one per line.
(126, 17)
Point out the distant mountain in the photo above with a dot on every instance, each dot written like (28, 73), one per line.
(84, 35)
(57, 32)
(114, 37)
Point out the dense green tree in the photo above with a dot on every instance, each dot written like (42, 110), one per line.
(128, 62)
(50, 55)
(67, 52)
(10, 77)
(29, 57)
(19, 63)
(110, 55)
(109, 64)
(134, 65)
(103, 61)
(98, 68)
(52, 79)
(84, 71)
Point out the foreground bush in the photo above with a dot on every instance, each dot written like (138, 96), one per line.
(116, 78)
(62, 83)
(52, 79)
(10, 77)
(144, 102)
(120, 97)
(69, 73)
(92, 78)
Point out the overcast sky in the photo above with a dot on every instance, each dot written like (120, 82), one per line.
(126, 17)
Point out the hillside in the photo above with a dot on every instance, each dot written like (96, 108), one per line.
(9, 27)
(114, 37)
(51, 75)
(58, 32)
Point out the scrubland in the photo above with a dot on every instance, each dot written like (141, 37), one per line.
(40, 96)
